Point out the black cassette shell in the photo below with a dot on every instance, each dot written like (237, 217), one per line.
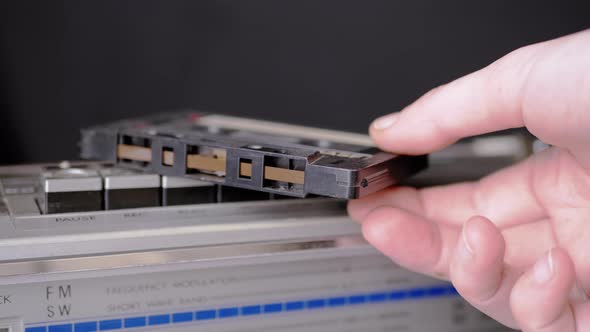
(258, 155)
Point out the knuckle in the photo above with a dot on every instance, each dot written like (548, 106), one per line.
(507, 79)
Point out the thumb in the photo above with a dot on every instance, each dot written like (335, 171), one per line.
(545, 87)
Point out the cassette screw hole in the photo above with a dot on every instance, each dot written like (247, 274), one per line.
(364, 183)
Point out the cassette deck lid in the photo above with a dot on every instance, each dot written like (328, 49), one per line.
(257, 155)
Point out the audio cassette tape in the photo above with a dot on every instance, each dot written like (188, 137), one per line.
(258, 155)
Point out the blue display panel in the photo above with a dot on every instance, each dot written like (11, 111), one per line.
(228, 312)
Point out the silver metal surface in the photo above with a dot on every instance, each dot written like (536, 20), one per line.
(22, 205)
(71, 180)
(58, 270)
(26, 234)
(129, 260)
(268, 127)
(169, 182)
(116, 178)
(18, 185)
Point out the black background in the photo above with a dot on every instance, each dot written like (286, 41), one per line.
(335, 64)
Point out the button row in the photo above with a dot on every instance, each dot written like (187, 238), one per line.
(82, 190)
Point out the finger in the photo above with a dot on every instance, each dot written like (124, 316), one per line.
(406, 198)
(474, 104)
(522, 249)
(582, 315)
(539, 300)
(411, 241)
(478, 270)
(507, 197)
(542, 86)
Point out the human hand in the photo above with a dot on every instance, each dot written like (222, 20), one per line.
(515, 244)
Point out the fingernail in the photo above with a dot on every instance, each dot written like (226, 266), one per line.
(466, 251)
(543, 269)
(385, 122)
